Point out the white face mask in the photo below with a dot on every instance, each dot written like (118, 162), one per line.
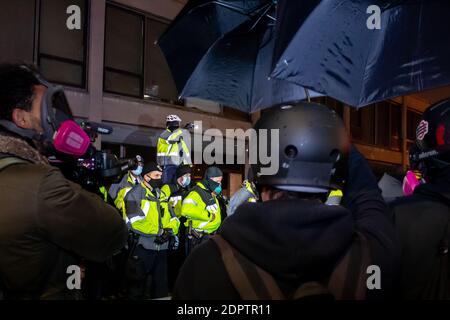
(186, 181)
(137, 171)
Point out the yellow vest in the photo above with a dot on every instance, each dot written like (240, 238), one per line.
(146, 214)
(175, 201)
(171, 149)
(202, 217)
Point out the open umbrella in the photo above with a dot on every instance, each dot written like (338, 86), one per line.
(338, 49)
(198, 26)
(235, 68)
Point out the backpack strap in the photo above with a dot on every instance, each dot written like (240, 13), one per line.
(311, 289)
(10, 161)
(348, 280)
(250, 281)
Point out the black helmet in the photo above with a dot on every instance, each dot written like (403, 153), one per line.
(433, 136)
(313, 148)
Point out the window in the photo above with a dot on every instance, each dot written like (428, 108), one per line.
(124, 39)
(362, 124)
(62, 52)
(331, 103)
(413, 119)
(396, 127)
(378, 124)
(17, 31)
(158, 77)
(134, 65)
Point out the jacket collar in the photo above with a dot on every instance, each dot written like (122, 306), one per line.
(17, 147)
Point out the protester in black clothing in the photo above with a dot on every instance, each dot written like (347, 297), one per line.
(423, 218)
(292, 237)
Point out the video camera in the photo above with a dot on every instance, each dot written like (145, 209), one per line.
(95, 168)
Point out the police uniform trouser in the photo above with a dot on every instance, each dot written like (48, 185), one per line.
(193, 242)
(149, 274)
(175, 258)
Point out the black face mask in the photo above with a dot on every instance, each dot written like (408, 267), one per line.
(155, 183)
(173, 128)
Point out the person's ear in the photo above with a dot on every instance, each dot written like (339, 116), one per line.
(266, 194)
(21, 118)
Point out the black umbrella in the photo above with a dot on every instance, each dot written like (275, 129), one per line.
(332, 48)
(198, 26)
(235, 69)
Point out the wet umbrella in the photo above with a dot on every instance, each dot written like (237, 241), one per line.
(198, 26)
(235, 69)
(330, 47)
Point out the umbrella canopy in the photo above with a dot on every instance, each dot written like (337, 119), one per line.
(236, 70)
(231, 67)
(336, 51)
(198, 26)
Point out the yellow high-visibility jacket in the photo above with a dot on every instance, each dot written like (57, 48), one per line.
(201, 209)
(174, 197)
(171, 149)
(146, 214)
(121, 190)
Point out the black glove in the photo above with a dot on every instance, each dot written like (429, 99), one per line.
(174, 243)
(164, 237)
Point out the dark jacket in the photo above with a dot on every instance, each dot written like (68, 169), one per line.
(296, 241)
(46, 222)
(421, 220)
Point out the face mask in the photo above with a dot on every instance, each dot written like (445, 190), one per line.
(218, 189)
(71, 139)
(210, 184)
(156, 183)
(137, 171)
(59, 128)
(173, 128)
(185, 182)
(411, 181)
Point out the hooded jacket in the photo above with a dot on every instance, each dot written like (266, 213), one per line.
(297, 241)
(46, 223)
(421, 221)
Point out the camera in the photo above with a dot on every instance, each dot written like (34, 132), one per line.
(95, 168)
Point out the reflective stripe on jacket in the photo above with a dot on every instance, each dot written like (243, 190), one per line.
(204, 215)
(171, 149)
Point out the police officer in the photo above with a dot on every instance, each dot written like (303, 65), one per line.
(293, 245)
(247, 193)
(172, 150)
(119, 190)
(152, 223)
(202, 209)
(175, 194)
